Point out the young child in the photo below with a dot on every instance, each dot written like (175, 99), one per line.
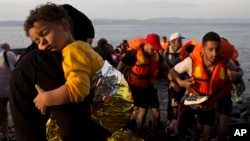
(50, 28)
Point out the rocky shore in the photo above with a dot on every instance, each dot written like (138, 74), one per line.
(241, 112)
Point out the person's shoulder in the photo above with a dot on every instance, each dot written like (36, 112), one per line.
(37, 55)
(10, 53)
(131, 53)
(187, 61)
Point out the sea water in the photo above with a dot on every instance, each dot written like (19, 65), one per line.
(237, 33)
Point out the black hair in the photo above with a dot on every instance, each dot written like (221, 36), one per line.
(190, 48)
(210, 36)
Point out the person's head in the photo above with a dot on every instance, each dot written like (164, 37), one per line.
(125, 41)
(110, 48)
(102, 43)
(164, 39)
(211, 43)
(176, 41)
(83, 26)
(49, 26)
(5, 46)
(152, 43)
(189, 49)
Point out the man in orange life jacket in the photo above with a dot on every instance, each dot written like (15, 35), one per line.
(211, 74)
(142, 61)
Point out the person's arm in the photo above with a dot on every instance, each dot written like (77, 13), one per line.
(234, 72)
(182, 67)
(57, 96)
(11, 59)
(129, 59)
(121, 66)
(164, 65)
(77, 71)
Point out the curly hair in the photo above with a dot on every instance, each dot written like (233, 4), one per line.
(46, 12)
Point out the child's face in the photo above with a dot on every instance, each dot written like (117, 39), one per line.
(51, 35)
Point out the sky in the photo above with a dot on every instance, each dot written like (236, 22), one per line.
(136, 9)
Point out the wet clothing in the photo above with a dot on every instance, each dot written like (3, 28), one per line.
(45, 69)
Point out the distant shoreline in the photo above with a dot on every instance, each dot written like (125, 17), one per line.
(152, 20)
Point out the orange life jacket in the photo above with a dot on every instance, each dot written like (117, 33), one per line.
(165, 45)
(184, 46)
(227, 44)
(146, 68)
(218, 83)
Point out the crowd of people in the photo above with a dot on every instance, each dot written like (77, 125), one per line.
(93, 92)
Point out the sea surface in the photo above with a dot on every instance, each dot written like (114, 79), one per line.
(237, 33)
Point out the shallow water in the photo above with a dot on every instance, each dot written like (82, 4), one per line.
(236, 33)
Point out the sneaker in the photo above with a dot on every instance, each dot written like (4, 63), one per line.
(236, 95)
(192, 99)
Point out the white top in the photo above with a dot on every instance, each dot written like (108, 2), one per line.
(171, 55)
(186, 66)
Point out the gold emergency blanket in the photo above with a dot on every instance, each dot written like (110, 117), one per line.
(52, 130)
(120, 135)
(114, 114)
(112, 104)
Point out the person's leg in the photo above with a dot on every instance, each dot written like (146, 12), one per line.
(155, 119)
(207, 120)
(186, 116)
(223, 127)
(197, 131)
(207, 132)
(169, 107)
(140, 119)
(224, 109)
(137, 115)
(152, 102)
(175, 102)
(4, 117)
